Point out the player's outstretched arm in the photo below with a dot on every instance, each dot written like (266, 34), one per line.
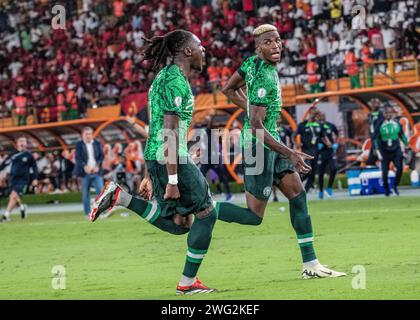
(257, 114)
(171, 126)
(233, 90)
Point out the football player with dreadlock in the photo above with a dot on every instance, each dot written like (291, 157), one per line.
(180, 189)
(178, 185)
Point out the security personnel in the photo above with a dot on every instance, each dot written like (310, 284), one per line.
(312, 74)
(327, 154)
(20, 102)
(310, 135)
(387, 138)
(22, 172)
(352, 68)
(61, 104)
(367, 66)
(71, 102)
(374, 118)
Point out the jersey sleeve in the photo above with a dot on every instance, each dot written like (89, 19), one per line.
(243, 68)
(174, 96)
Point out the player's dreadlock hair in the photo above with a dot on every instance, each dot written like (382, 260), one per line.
(159, 48)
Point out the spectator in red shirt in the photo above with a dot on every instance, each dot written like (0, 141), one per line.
(377, 41)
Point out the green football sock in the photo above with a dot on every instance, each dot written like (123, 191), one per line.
(151, 213)
(301, 222)
(229, 212)
(198, 243)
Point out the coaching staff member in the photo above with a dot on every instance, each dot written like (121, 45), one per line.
(89, 158)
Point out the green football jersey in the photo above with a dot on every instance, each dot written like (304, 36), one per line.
(170, 93)
(263, 89)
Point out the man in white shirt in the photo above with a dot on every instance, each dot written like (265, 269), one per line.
(317, 7)
(89, 158)
(321, 51)
(388, 35)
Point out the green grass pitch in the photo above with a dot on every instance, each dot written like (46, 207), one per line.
(126, 258)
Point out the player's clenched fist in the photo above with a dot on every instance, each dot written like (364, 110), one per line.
(146, 189)
(171, 192)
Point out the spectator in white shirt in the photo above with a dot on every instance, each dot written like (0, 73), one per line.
(388, 35)
(317, 6)
(321, 51)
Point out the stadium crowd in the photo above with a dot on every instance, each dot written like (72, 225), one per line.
(58, 74)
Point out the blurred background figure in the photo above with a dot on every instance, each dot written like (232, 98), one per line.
(211, 148)
(327, 148)
(387, 139)
(88, 167)
(310, 135)
(375, 117)
(23, 172)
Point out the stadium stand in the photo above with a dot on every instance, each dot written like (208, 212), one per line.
(58, 74)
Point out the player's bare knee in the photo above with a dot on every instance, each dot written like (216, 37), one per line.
(13, 196)
(208, 214)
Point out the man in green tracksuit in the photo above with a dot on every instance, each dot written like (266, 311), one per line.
(387, 139)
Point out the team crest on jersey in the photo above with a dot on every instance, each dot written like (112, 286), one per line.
(178, 101)
(24, 159)
(267, 191)
(261, 92)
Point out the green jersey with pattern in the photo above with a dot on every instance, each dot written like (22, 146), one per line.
(170, 93)
(263, 90)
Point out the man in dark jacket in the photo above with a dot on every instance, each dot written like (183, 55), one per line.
(375, 117)
(327, 155)
(310, 135)
(89, 158)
